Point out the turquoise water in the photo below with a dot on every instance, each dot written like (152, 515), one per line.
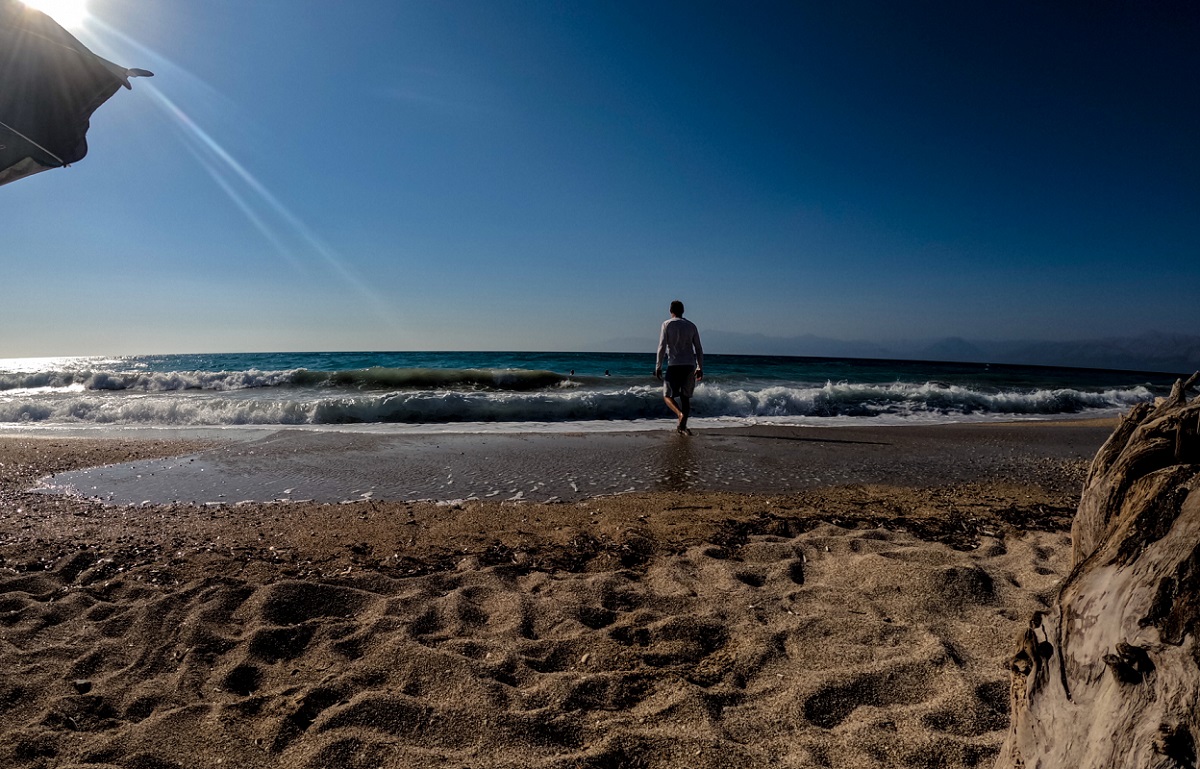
(523, 388)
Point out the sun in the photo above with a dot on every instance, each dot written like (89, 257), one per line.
(69, 13)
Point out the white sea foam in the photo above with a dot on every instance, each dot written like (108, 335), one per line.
(238, 405)
(66, 380)
(375, 378)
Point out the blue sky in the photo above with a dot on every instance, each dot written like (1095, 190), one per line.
(452, 174)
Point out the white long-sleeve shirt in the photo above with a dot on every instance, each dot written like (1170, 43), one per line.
(679, 343)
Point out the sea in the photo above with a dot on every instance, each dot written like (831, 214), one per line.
(538, 391)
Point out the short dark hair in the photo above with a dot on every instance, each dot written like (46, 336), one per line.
(677, 308)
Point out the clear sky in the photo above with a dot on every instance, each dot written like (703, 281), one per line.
(505, 174)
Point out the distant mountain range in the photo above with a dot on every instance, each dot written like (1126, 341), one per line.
(1172, 353)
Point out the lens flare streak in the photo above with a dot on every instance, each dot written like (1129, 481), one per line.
(209, 147)
(229, 174)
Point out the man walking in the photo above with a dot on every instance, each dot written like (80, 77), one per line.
(679, 344)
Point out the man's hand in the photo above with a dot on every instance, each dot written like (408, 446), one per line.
(658, 373)
(699, 374)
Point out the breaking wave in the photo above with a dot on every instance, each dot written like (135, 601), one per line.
(320, 398)
(375, 378)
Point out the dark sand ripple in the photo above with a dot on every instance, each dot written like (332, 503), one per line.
(845, 626)
(835, 647)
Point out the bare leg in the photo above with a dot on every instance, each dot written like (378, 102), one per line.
(681, 414)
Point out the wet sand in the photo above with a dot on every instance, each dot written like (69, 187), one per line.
(336, 466)
(853, 620)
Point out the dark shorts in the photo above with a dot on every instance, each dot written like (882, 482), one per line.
(679, 381)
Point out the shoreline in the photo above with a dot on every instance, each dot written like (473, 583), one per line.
(322, 466)
(843, 625)
(138, 431)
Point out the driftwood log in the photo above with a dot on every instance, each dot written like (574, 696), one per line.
(1109, 677)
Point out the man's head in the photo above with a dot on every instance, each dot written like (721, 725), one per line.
(677, 308)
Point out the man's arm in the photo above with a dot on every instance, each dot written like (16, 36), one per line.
(699, 352)
(662, 351)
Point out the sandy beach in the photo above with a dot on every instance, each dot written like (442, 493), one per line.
(849, 599)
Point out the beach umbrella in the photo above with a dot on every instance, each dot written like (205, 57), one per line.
(50, 84)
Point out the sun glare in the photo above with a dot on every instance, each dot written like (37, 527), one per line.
(69, 13)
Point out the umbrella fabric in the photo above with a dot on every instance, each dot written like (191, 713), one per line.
(50, 84)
